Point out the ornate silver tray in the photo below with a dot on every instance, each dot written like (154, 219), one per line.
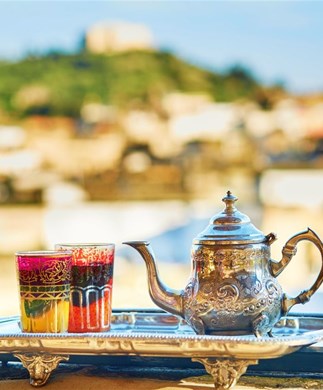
(158, 334)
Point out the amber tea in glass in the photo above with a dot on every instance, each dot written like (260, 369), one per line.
(44, 286)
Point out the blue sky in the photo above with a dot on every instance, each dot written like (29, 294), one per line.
(277, 40)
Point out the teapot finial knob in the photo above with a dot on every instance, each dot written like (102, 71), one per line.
(229, 201)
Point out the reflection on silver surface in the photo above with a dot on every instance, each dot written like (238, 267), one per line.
(160, 334)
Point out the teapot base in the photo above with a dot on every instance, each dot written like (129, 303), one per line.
(259, 325)
(226, 332)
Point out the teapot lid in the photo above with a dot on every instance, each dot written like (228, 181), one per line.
(229, 226)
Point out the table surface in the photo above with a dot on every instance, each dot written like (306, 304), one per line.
(89, 377)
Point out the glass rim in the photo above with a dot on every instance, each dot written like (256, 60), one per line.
(86, 245)
(45, 253)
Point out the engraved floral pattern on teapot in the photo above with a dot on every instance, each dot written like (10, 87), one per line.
(232, 286)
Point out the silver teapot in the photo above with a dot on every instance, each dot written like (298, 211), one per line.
(233, 287)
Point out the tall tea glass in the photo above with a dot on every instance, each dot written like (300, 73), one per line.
(91, 286)
(44, 286)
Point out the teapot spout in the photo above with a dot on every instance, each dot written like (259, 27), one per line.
(164, 297)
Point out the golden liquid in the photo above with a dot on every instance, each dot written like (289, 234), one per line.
(53, 319)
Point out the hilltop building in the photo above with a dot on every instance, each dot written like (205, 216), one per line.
(117, 37)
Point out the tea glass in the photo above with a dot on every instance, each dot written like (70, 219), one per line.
(91, 286)
(44, 286)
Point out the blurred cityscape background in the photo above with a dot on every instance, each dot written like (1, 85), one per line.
(118, 138)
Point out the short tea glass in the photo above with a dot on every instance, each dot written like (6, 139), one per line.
(44, 286)
(91, 286)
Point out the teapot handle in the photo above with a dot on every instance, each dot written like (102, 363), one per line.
(288, 251)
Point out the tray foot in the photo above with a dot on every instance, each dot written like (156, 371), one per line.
(225, 372)
(40, 366)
